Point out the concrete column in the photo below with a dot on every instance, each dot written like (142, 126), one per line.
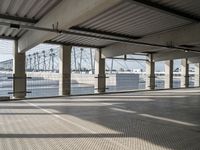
(184, 73)
(197, 74)
(100, 72)
(150, 73)
(65, 70)
(19, 75)
(169, 74)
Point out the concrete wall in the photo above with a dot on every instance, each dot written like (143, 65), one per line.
(123, 80)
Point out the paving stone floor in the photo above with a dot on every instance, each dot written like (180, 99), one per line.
(160, 120)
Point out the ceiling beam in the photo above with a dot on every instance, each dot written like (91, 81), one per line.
(117, 58)
(16, 18)
(170, 55)
(194, 60)
(119, 49)
(73, 44)
(104, 33)
(7, 37)
(167, 10)
(113, 39)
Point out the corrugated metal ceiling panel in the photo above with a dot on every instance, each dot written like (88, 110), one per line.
(27, 8)
(8, 32)
(32, 9)
(81, 40)
(131, 19)
(190, 6)
(11, 32)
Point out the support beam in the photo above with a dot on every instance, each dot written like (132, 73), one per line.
(133, 59)
(76, 11)
(100, 72)
(18, 19)
(169, 74)
(166, 9)
(7, 37)
(65, 70)
(197, 74)
(184, 73)
(19, 75)
(168, 55)
(193, 60)
(121, 49)
(150, 73)
(104, 33)
(72, 44)
(160, 53)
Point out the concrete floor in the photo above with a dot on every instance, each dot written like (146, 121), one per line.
(130, 121)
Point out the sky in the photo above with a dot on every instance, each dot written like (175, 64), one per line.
(6, 48)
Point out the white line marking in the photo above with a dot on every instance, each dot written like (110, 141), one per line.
(61, 118)
(156, 117)
(80, 126)
(123, 110)
(169, 120)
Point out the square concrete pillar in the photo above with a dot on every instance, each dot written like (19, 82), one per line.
(100, 84)
(169, 74)
(65, 70)
(150, 73)
(197, 74)
(19, 75)
(184, 73)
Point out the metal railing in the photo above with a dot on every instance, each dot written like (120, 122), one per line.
(83, 84)
(42, 85)
(6, 84)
